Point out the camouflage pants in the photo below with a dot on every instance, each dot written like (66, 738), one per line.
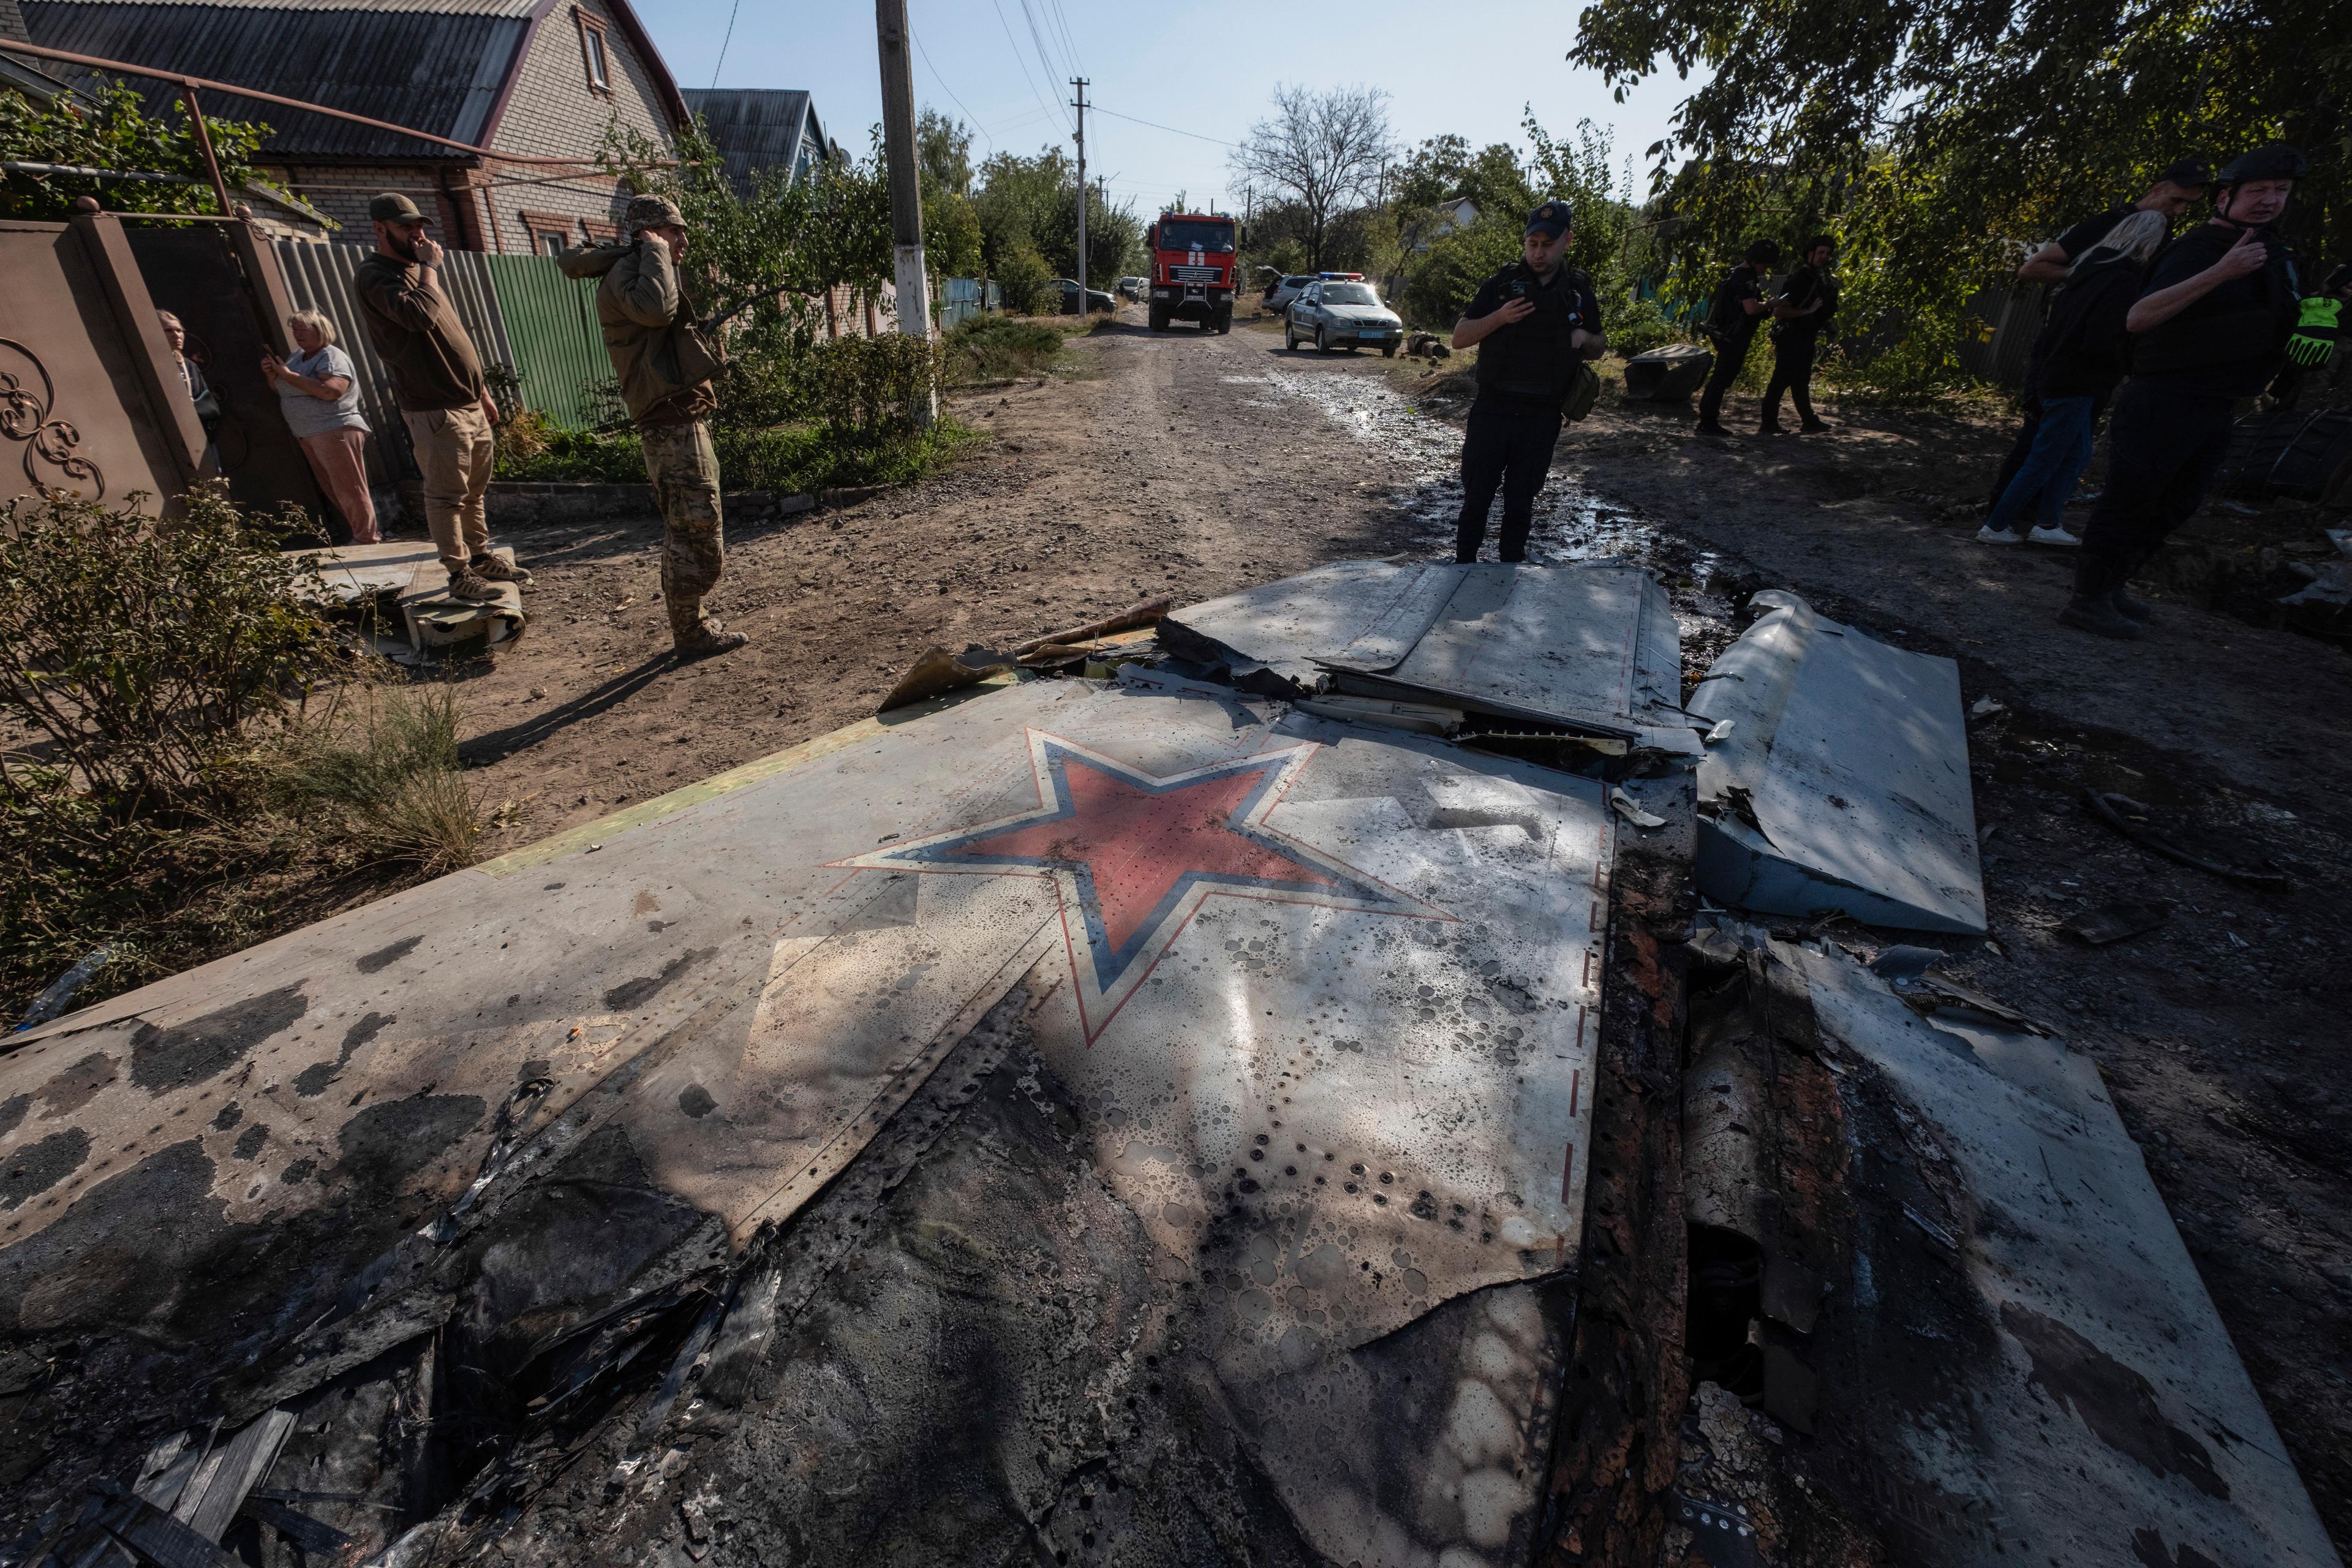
(685, 474)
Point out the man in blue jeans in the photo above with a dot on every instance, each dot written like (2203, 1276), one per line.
(1536, 320)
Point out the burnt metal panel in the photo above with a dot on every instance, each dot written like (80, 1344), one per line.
(439, 72)
(1318, 1001)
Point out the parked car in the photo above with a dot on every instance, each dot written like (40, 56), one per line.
(1133, 288)
(1096, 298)
(1340, 314)
(1283, 291)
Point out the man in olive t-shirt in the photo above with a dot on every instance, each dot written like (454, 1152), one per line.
(436, 379)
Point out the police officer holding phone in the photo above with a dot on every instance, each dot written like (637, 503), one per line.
(1535, 322)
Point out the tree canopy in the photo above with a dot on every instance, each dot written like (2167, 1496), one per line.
(1941, 137)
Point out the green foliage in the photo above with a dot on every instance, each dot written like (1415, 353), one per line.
(141, 652)
(1937, 139)
(111, 129)
(385, 776)
(1636, 326)
(168, 672)
(1028, 282)
(1579, 176)
(986, 348)
(1446, 277)
(862, 386)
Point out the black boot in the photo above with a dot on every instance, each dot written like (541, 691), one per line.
(2126, 605)
(2097, 577)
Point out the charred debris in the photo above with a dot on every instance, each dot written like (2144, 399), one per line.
(1373, 1069)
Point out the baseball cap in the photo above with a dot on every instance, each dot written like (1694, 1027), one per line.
(394, 207)
(1552, 218)
(653, 212)
(2191, 171)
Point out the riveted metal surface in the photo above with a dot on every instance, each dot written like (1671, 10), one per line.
(1843, 780)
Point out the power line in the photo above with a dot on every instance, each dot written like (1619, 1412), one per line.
(1155, 125)
(973, 119)
(732, 12)
(1017, 60)
(1045, 58)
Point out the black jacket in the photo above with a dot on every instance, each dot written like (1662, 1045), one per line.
(1530, 363)
(2084, 349)
(2230, 343)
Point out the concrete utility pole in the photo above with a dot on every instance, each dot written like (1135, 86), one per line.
(1080, 83)
(905, 188)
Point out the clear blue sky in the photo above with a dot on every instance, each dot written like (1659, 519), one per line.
(1206, 65)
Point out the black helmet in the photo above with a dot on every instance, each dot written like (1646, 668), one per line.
(2276, 161)
(1766, 251)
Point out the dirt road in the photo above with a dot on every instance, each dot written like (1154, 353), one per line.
(1191, 464)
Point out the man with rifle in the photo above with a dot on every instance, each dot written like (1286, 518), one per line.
(1739, 308)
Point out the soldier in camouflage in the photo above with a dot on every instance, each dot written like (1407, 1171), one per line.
(666, 369)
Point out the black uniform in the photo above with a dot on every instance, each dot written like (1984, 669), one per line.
(2171, 426)
(1794, 340)
(1733, 329)
(1525, 372)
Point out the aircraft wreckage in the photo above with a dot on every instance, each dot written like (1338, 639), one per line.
(1311, 1084)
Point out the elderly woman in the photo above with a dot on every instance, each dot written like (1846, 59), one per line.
(319, 391)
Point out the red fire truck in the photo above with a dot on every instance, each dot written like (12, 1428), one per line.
(1193, 259)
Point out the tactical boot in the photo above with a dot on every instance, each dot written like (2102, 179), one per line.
(468, 588)
(1812, 427)
(1711, 427)
(2129, 607)
(2101, 616)
(708, 638)
(494, 569)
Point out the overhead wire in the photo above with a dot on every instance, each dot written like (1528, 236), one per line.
(1155, 125)
(1011, 43)
(732, 12)
(969, 118)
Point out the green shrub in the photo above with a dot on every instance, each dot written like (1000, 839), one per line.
(188, 781)
(1637, 326)
(985, 348)
(1442, 286)
(1028, 282)
(386, 776)
(861, 385)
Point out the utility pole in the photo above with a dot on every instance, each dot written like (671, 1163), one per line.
(1080, 83)
(906, 190)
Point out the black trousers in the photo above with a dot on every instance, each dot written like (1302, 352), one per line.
(2165, 446)
(1792, 372)
(1728, 362)
(1507, 449)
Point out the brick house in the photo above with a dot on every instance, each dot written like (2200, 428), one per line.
(541, 79)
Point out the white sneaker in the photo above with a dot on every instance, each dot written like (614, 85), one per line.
(2057, 536)
(1988, 534)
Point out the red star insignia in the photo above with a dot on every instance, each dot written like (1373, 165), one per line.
(1134, 855)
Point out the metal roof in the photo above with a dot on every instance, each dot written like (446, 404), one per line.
(757, 127)
(435, 65)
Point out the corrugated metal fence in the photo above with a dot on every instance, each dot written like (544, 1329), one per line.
(551, 320)
(319, 277)
(1998, 332)
(959, 300)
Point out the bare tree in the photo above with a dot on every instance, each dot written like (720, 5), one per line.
(1323, 150)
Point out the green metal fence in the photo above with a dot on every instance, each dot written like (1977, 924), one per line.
(551, 325)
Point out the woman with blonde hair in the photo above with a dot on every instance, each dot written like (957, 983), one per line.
(2083, 352)
(318, 389)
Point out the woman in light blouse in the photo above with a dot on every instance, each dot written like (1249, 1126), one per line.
(318, 389)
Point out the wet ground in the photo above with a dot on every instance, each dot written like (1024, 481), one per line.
(1191, 464)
